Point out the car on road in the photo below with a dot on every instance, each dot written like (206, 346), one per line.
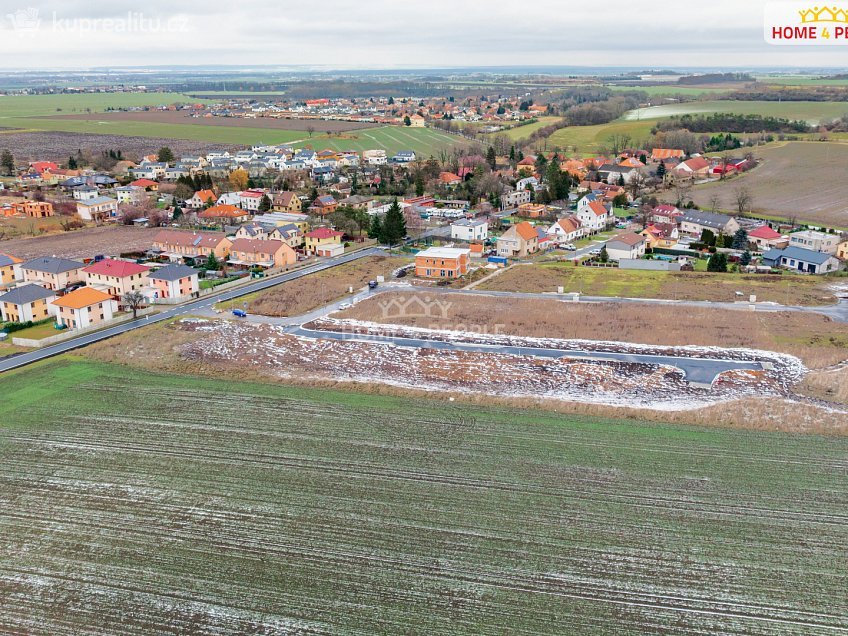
(344, 306)
(239, 313)
(569, 246)
(372, 284)
(595, 252)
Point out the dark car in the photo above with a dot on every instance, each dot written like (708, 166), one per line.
(401, 274)
(372, 284)
(239, 313)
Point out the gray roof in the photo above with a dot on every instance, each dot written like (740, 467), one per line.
(799, 254)
(5, 260)
(97, 201)
(52, 265)
(172, 272)
(26, 294)
(707, 219)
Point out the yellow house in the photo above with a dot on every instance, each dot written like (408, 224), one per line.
(85, 307)
(10, 269)
(842, 250)
(27, 302)
(265, 253)
(322, 236)
(53, 273)
(286, 202)
(116, 277)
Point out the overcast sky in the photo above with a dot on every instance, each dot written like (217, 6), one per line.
(390, 34)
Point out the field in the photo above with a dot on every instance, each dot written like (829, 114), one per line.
(778, 187)
(301, 295)
(590, 140)
(157, 504)
(13, 106)
(672, 90)
(812, 112)
(110, 240)
(520, 132)
(786, 289)
(423, 141)
(817, 340)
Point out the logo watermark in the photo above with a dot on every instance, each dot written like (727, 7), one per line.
(27, 22)
(433, 312)
(800, 23)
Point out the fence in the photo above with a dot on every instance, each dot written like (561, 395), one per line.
(73, 333)
(645, 265)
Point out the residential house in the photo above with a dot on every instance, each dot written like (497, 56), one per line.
(201, 199)
(518, 241)
(10, 269)
(27, 302)
(33, 209)
(254, 252)
(694, 222)
(417, 121)
(146, 184)
(130, 194)
(449, 179)
(289, 234)
(802, 260)
(149, 170)
(404, 156)
(53, 273)
(665, 213)
(661, 154)
(661, 235)
(285, 218)
(250, 199)
(224, 214)
(628, 245)
(358, 202)
(842, 250)
(323, 205)
(175, 281)
(85, 193)
(177, 245)
(593, 215)
(253, 230)
(116, 277)
(765, 238)
(816, 241)
(566, 230)
(515, 199)
(97, 209)
(375, 157)
(532, 210)
(286, 202)
(694, 168)
(470, 230)
(85, 307)
(320, 237)
(614, 174)
(442, 262)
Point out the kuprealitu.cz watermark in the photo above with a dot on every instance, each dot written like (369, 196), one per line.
(29, 22)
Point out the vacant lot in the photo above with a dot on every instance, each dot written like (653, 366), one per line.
(109, 240)
(45, 105)
(159, 504)
(180, 117)
(591, 140)
(316, 290)
(58, 146)
(811, 112)
(786, 289)
(798, 179)
(816, 339)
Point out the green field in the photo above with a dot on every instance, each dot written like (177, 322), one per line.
(812, 112)
(156, 504)
(589, 140)
(672, 90)
(424, 141)
(521, 132)
(801, 80)
(70, 104)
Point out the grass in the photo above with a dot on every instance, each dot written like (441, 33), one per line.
(198, 505)
(69, 104)
(786, 289)
(590, 140)
(812, 112)
(36, 332)
(673, 90)
(521, 132)
(423, 141)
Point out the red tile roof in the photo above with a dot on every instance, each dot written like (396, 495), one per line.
(119, 269)
(764, 232)
(323, 233)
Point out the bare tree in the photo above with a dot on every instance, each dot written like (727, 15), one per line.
(645, 212)
(310, 130)
(618, 142)
(714, 201)
(725, 160)
(742, 197)
(133, 300)
(682, 189)
(636, 184)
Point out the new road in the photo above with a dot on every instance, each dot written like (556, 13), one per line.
(204, 303)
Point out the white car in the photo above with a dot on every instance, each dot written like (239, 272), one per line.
(345, 306)
(595, 252)
(569, 246)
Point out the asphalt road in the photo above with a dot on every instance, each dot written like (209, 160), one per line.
(196, 306)
(700, 372)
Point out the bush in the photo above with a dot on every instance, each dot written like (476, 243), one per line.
(11, 327)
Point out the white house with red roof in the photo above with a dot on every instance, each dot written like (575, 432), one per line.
(116, 277)
(665, 213)
(250, 199)
(765, 238)
(592, 214)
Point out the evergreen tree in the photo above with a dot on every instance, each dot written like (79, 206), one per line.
(707, 237)
(264, 203)
(166, 154)
(419, 184)
(717, 263)
(512, 153)
(491, 158)
(7, 162)
(394, 225)
(178, 212)
(740, 239)
(212, 262)
(661, 171)
(604, 255)
(407, 121)
(745, 259)
(72, 163)
(376, 228)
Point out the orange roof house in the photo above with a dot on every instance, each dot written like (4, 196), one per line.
(224, 213)
(147, 184)
(659, 154)
(261, 252)
(84, 307)
(449, 178)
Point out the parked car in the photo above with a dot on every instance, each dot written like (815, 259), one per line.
(239, 313)
(372, 284)
(595, 252)
(401, 274)
(569, 246)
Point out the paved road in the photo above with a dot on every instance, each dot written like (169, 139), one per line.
(199, 306)
(700, 372)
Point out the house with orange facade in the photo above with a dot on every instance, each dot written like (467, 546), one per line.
(32, 209)
(174, 281)
(442, 262)
(116, 277)
(85, 307)
(321, 237)
(27, 302)
(10, 269)
(519, 240)
(200, 199)
(263, 253)
(532, 210)
(53, 273)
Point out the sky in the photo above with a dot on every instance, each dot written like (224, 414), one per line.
(391, 34)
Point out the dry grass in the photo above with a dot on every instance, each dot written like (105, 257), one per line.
(785, 289)
(316, 290)
(826, 384)
(156, 351)
(111, 240)
(814, 338)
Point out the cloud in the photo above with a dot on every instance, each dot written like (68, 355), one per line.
(389, 34)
